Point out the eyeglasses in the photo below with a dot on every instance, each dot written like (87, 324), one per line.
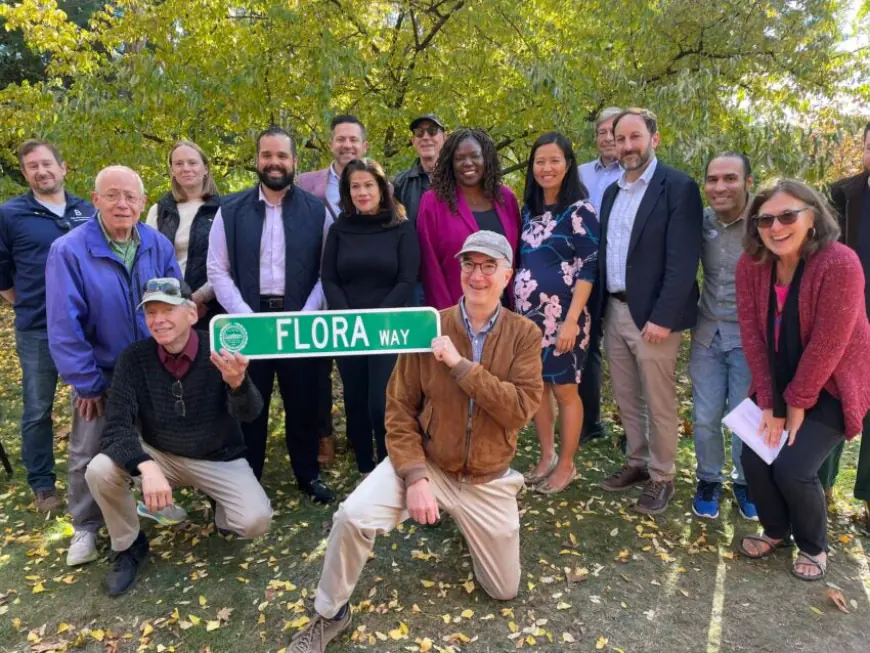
(432, 130)
(167, 285)
(488, 268)
(113, 197)
(178, 393)
(765, 220)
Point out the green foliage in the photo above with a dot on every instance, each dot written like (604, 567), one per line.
(756, 76)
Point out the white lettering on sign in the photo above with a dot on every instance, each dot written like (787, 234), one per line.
(393, 338)
(282, 331)
(359, 333)
(323, 341)
(339, 329)
(298, 343)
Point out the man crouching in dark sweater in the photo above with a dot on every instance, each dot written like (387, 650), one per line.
(187, 404)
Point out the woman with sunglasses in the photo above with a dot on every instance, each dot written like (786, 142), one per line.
(184, 215)
(558, 264)
(800, 303)
(466, 196)
(370, 260)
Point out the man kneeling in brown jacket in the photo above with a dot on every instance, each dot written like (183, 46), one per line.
(452, 422)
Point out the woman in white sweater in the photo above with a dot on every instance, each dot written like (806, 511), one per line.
(184, 215)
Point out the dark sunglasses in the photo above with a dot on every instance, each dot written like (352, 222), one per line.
(422, 131)
(765, 220)
(168, 286)
(178, 393)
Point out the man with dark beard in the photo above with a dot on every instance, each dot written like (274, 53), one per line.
(253, 268)
(651, 221)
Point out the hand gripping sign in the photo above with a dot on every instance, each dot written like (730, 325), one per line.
(326, 333)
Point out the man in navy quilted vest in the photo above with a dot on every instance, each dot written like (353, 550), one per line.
(264, 256)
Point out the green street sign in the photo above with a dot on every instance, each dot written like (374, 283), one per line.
(326, 333)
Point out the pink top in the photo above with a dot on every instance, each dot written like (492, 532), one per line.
(834, 332)
(781, 295)
(442, 234)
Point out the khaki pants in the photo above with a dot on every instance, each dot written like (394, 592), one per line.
(487, 515)
(242, 504)
(644, 383)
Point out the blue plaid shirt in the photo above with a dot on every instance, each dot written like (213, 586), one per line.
(477, 341)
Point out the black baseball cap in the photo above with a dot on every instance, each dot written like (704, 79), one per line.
(431, 117)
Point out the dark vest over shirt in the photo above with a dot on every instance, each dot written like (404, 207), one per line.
(302, 214)
(168, 219)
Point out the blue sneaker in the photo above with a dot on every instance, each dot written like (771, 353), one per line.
(744, 504)
(706, 501)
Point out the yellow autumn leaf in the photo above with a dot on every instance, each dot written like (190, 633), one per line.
(561, 605)
(467, 614)
(63, 627)
(261, 619)
(202, 601)
(469, 586)
(194, 619)
(601, 643)
(530, 640)
(147, 629)
(445, 618)
(513, 627)
(212, 625)
(428, 583)
(425, 645)
(98, 635)
(38, 588)
(568, 637)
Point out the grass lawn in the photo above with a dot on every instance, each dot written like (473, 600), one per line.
(596, 575)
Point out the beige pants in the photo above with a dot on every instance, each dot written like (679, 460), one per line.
(487, 515)
(645, 388)
(242, 504)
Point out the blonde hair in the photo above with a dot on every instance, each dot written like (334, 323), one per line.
(209, 188)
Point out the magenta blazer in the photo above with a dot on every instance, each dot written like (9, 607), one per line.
(442, 234)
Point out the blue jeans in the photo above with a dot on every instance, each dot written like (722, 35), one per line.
(720, 381)
(39, 382)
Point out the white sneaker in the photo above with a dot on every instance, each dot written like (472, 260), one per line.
(82, 549)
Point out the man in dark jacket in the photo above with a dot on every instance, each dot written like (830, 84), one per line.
(264, 256)
(29, 224)
(851, 199)
(651, 222)
(185, 403)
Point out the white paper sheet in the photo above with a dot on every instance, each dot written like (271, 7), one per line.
(744, 422)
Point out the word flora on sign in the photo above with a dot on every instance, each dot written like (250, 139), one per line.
(326, 333)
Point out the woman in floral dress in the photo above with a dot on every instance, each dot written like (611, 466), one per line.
(558, 263)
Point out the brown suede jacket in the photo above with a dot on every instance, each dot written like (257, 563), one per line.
(427, 403)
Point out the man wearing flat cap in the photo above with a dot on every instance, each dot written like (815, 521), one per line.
(452, 422)
(172, 420)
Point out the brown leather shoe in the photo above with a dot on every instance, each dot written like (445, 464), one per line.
(655, 498)
(625, 479)
(47, 500)
(326, 455)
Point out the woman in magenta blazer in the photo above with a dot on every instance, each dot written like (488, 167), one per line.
(466, 196)
(800, 302)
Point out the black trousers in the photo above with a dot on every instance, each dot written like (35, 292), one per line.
(298, 392)
(324, 397)
(590, 381)
(365, 381)
(788, 493)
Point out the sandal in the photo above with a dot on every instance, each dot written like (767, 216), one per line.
(807, 559)
(546, 488)
(772, 546)
(531, 478)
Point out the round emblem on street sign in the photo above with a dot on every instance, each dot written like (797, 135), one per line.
(233, 337)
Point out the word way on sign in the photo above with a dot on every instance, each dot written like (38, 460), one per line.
(326, 333)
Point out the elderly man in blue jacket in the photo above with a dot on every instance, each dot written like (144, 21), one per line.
(94, 281)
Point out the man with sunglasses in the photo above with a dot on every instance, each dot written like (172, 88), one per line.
(93, 278)
(172, 420)
(452, 422)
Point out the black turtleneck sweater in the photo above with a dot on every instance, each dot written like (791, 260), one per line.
(368, 263)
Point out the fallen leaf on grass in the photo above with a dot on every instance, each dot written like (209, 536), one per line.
(212, 625)
(816, 610)
(223, 614)
(601, 643)
(837, 598)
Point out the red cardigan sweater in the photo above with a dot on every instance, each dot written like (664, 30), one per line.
(834, 332)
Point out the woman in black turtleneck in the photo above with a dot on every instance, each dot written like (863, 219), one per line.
(370, 260)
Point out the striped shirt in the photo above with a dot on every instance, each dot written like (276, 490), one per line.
(620, 224)
(477, 341)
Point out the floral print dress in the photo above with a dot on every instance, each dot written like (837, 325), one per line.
(556, 251)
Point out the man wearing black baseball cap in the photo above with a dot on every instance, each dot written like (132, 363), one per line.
(427, 137)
